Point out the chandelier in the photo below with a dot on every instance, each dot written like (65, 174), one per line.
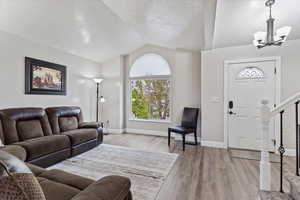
(269, 38)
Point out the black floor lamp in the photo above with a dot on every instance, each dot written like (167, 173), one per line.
(100, 99)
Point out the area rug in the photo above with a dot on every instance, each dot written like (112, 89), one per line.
(146, 170)
(252, 155)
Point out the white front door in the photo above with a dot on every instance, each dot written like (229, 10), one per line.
(248, 84)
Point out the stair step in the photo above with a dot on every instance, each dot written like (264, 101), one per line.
(266, 195)
(294, 182)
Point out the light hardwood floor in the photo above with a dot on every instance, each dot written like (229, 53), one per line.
(203, 173)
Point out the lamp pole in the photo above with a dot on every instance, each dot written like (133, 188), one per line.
(97, 103)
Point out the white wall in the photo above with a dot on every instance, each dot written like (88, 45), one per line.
(112, 90)
(80, 89)
(185, 66)
(212, 84)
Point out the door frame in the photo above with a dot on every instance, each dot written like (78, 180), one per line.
(227, 63)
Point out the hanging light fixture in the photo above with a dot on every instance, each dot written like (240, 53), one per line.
(270, 38)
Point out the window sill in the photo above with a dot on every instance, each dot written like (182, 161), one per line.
(152, 121)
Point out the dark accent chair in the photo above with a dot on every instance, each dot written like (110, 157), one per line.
(188, 125)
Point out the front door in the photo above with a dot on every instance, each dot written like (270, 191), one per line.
(248, 84)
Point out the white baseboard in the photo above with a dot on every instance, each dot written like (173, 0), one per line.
(214, 144)
(290, 152)
(114, 131)
(176, 136)
(147, 132)
(161, 133)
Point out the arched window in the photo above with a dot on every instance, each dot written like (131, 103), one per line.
(150, 88)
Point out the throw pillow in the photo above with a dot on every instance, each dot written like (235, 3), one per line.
(20, 186)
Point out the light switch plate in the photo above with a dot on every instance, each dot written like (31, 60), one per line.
(215, 99)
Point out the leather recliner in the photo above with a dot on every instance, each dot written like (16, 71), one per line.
(47, 143)
(30, 129)
(68, 121)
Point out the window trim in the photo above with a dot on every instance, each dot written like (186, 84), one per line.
(154, 77)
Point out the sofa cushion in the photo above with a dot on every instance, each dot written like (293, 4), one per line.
(16, 180)
(109, 187)
(20, 186)
(57, 191)
(15, 150)
(38, 147)
(14, 121)
(54, 113)
(66, 178)
(29, 129)
(36, 170)
(68, 123)
(79, 136)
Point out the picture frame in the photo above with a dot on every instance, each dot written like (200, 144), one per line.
(45, 78)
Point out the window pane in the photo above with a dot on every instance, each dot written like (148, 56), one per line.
(150, 65)
(150, 99)
(251, 73)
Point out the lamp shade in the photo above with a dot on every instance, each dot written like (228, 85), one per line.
(98, 80)
(102, 99)
(260, 36)
(284, 31)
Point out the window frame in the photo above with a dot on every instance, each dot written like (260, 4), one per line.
(151, 77)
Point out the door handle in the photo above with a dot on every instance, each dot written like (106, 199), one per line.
(230, 104)
(231, 113)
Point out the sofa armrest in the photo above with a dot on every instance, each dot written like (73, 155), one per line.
(90, 125)
(108, 188)
(15, 150)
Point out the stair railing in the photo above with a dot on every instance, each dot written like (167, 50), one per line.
(267, 114)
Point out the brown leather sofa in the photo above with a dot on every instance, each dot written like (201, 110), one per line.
(48, 143)
(60, 185)
(68, 121)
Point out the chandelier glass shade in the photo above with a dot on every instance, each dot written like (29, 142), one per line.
(271, 38)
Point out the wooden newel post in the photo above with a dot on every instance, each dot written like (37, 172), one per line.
(265, 166)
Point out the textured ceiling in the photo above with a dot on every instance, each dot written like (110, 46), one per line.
(99, 30)
(171, 23)
(237, 20)
(86, 28)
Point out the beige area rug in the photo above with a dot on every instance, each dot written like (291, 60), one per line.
(251, 155)
(146, 170)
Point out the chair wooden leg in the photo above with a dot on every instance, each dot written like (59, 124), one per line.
(196, 142)
(183, 141)
(169, 137)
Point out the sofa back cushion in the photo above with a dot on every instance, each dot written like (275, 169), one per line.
(64, 118)
(29, 129)
(68, 123)
(21, 124)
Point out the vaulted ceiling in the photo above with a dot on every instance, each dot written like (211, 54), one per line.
(101, 29)
(237, 20)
